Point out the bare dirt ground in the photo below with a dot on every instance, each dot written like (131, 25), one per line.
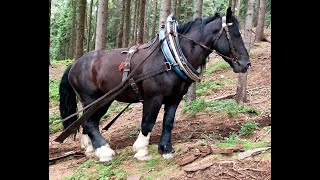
(189, 129)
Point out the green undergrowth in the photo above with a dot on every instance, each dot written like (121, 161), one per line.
(61, 62)
(219, 65)
(123, 165)
(206, 87)
(228, 106)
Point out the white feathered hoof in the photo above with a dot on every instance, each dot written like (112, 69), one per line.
(104, 153)
(141, 147)
(142, 155)
(85, 141)
(168, 156)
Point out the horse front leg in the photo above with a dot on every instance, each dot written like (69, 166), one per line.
(92, 140)
(151, 107)
(165, 144)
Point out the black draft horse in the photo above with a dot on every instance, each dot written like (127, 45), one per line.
(97, 72)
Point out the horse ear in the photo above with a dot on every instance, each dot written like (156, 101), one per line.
(229, 13)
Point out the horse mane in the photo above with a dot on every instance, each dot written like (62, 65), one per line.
(185, 27)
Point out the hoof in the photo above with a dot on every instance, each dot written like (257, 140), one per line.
(142, 155)
(104, 153)
(168, 156)
(85, 141)
(89, 151)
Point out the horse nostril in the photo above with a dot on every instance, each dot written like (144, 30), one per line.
(249, 64)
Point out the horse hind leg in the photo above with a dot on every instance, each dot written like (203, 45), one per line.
(165, 144)
(92, 140)
(151, 107)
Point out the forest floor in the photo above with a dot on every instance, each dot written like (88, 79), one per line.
(212, 138)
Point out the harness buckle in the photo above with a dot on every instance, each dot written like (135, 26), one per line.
(168, 66)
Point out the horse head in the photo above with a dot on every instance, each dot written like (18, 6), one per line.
(227, 41)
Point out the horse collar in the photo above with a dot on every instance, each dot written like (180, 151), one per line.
(173, 53)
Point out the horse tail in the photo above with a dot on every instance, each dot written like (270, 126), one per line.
(68, 100)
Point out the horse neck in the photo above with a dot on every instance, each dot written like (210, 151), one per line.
(195, 54)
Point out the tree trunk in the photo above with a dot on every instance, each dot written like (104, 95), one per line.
(73, 34)
(255, 12)
(186, 11)
(232, 4)
(154, 23)
(178, 13)
(237, 11)
(175, 3)
(164, 12)
(89, 26)
(141, 22)
(135, 19)
(49, 26)
(95, 28)
(80, 29)
(101, 25)
(127, 24)
(147, 24)
(191, 94)
(120, 31)
(241, 96)
(197, 9)
(260, 25)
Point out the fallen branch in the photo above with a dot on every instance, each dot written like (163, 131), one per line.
(252, 152)
(258, 138)
(67, 154)
(197, 167)
(225, 96)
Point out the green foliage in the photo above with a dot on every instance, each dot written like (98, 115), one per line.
(91, 169)
(153, 162)
(248, 128)
(62, 62)
(233, 139)
(249, 144)
(229, 106)
(204, 88)
(53, 92)
(60, 26)
(219, 65)
(54, 123)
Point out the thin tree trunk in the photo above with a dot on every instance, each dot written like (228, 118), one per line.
(80, 29)
(175, 7)
(101, 25)
(237, 11)
(260, 25)
(147, 24)
(73, 34)
(135, 14)
(127, 24)
(232, 4)
(141, 22)
(191, 94)
(136, 27)
(241, 96)
(120, 31)
(186, 11)
(178, 10)
(154, 23)
(95, 28)
(49, 26)
(256, 12)
(164, 12)
(89, 26)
